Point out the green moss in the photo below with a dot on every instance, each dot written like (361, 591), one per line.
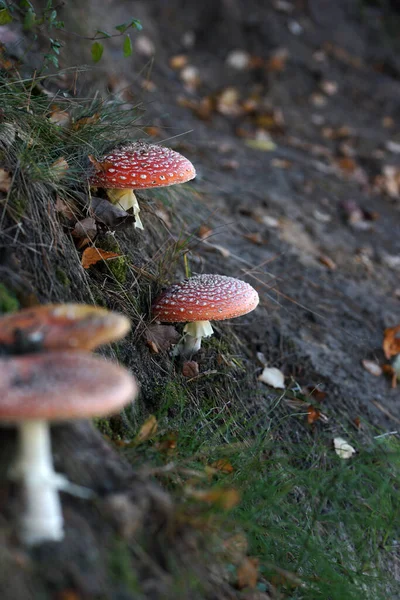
(62, 277)
(117, 267)
(8, 302)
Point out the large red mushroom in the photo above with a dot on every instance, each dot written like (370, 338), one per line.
(200, 299)
(138, 165)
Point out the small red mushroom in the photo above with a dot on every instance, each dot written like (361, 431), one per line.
(60, 327)
(37, 389)
(135, 166)
(199, 299)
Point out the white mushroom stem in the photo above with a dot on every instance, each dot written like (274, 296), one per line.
(126, 199)
(42, 518)
(193, 333)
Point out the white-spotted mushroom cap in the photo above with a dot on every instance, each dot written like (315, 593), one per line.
(205, 298)
(141, 165)
(59, 386)
(61, 327)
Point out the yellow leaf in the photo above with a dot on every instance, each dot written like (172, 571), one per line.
(247, 573)
(5, 181)
(225, 498)
(147, 430)
(91, 256)
(223, 465)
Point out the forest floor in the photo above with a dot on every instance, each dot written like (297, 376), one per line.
(294, 128)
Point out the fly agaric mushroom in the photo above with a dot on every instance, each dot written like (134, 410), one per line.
(42, 388)
(60, 327)
(136, 166)
(200, 299)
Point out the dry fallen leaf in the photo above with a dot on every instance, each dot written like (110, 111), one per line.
(190, 369)
(372, 367)
(161, 337)
(327, 261)
(247, 573)
(204, 232)
(109, 214)
(390, 372)
(273, 377)
(225, 498)
(91, 256)
(60, 117)
(223, 465)
(66, 208)
(147, 430)
(391, 341)
(86, 121)
(5, 181)
(264, 145)
(313, 414)
(343, 448)
(255, 238)
(277, 60)
(178, 61)
(85, 229)
(58, 169)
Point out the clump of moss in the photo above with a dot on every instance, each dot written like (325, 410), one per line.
(8, 302)
(117, 267)
(62, 277)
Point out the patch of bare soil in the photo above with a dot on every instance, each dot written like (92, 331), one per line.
(293, 125)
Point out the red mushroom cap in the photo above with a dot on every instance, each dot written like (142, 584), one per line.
(62, 385)
(61, 327)
(141, 165)
(205, 298)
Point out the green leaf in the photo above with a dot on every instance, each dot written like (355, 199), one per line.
(133, 23)
(127, 47)
(26, 4)
(30, 19)
(5, 16)
(104, 33)
(97, 51)
(137, 25)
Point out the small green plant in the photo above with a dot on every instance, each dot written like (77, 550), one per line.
(47, 22)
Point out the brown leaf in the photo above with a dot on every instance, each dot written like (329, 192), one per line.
(390, 372)
(347, 164)
(100, 166)
(204, 232)
(372, 367)
(313, 414)
(190, 369)
(247, 573)
(225, 498)
(91, 256)
(85, 229)
(109, 214)
(59, 169)
(66, 208)
(178, 61)
(86, 121)
(5, 181)
(160, 338)
(147, 430)
(327, 261)
(223, 465)
(391, 341)
(277, 61)
(60, 117)
(255, 238)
